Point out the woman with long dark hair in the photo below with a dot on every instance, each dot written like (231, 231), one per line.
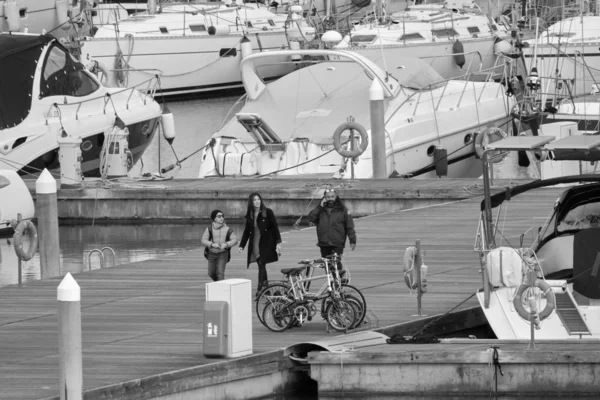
(262, 234)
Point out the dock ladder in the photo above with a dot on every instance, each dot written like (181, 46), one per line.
(569, 315)
(101, 255)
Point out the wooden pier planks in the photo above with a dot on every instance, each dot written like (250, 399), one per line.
(146, 318)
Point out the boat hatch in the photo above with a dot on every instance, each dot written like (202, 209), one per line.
(261, 132)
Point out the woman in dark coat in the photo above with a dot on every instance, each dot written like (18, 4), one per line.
(262, 235)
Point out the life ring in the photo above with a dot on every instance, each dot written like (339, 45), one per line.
(337, 139)
(410, 273)
(483, 139)
(546, 291)
(25, 226)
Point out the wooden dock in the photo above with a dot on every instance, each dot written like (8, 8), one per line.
(145, 319)
(192, 200)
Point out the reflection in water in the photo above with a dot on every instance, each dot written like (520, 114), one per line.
(131, 243)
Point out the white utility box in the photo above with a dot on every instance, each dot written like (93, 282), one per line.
(238, 295)
(554, 169)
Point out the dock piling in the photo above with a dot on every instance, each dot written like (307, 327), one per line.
(377, 109)
(69, 339)
(46, 211)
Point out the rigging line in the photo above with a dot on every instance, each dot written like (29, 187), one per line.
(385, 66)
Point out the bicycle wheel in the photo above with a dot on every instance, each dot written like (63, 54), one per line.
(345, 291)
(340, 315)
(272, 292)
(278, 315)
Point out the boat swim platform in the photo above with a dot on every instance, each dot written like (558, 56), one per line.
(142, 322)
(192, 200)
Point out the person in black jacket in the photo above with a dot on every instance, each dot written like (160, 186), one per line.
(262, 234)
(334, 224)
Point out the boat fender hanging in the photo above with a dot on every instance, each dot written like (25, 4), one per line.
(459, 53)
(547, 293)
(483, 139)
(337, 139)
(25, 227)
(440, 159)
(11, 13)
(410, 273)
(219, 30)
(168, 124)
(62, 16)
(245, 47)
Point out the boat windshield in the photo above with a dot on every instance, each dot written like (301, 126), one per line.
(64, 76)
(583, 216)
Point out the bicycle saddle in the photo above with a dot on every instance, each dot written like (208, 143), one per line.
(293, 271)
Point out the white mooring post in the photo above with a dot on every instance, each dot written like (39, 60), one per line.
(377, 107)
(69, 339)
(46, 211)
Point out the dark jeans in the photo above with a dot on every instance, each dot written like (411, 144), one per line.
(262, 274)
(329, 250)
(216, 265)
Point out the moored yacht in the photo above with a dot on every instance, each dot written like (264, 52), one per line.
(196, 47)
(47, 94)
(297, 125)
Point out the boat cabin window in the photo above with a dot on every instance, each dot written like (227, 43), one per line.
(561, 34)
(410, 36)
(363, 39)
(444, 32)
(271, 22)
(63, 76)
(473, 29)
(583, 216)
(198, 27)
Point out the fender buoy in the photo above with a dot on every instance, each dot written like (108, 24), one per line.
(25, 227)
(459, 53)
(337, 139)
(483, 139)
(410, 273)
(546, 291)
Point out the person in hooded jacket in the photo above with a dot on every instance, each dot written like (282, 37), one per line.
(334, 224)
(219, 247)
(261, 233)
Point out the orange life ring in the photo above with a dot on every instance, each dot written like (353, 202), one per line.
(337, 139)
(21, 228)
(546, 291)
(483, 139)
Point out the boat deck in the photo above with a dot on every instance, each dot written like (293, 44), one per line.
(145, 319)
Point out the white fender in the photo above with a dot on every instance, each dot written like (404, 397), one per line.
(11, 13)
(62, 16)
(245, 47)
(219, 30)
(168, 124)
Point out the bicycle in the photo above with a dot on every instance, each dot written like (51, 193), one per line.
(288, 303)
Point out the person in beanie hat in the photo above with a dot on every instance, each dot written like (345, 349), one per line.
(218, 239)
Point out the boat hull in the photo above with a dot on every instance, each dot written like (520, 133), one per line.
(186, 65)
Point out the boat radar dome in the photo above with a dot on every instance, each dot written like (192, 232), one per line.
(331, 37)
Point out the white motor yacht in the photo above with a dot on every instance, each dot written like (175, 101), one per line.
(288, 126)
(46, 93)
(568, 50)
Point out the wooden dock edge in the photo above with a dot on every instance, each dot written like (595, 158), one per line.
(434, 372)
(254, 376)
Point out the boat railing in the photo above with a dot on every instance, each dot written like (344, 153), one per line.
(150, 89)
(437, 100)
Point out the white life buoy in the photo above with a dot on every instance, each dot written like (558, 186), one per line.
(546, 292)
(337, 139)
(410, 273)
(483, 139)
(22, 228)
